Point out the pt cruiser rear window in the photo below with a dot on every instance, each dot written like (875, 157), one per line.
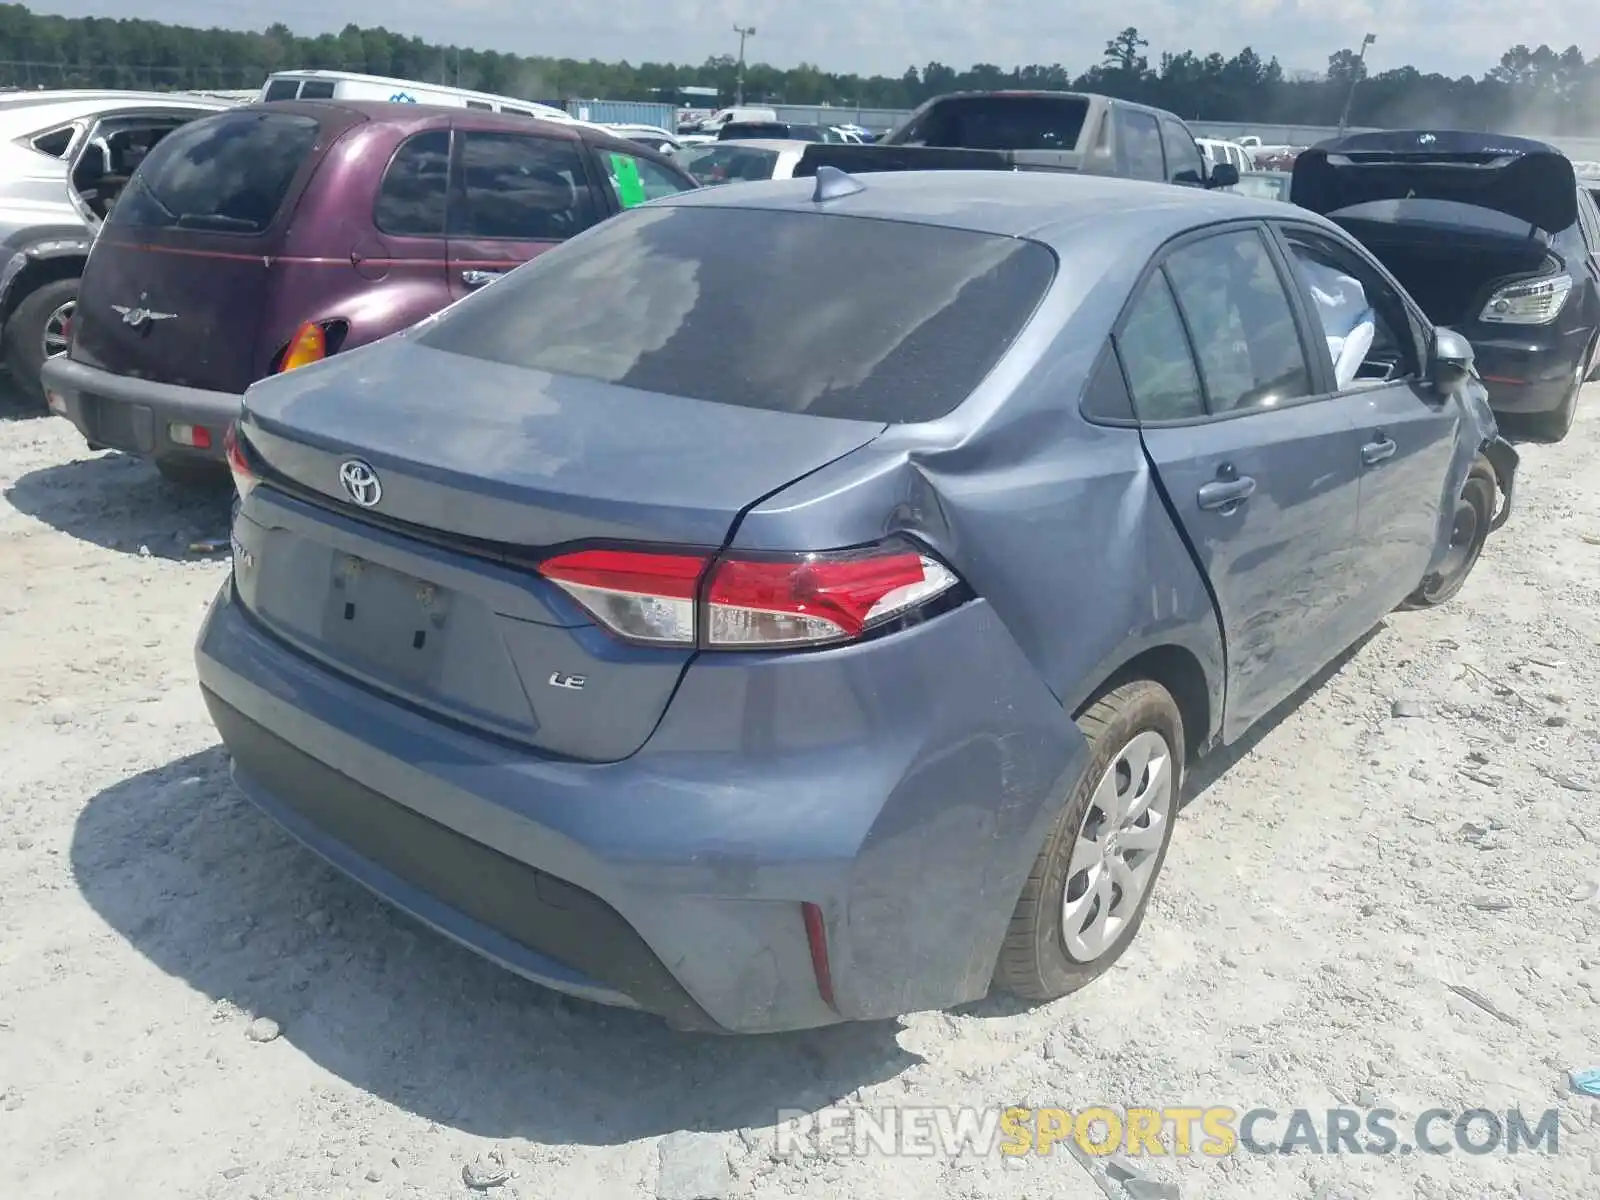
(799, 312)
(224, 174)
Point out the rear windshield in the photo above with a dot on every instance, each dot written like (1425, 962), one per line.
(999, 123)
(226, 174)
(731, 163)
(752, 129)
(796, 312)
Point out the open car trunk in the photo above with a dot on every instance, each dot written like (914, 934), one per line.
(1452, 214)
(1450, 269)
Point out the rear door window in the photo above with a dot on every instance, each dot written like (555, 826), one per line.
(1142, 141)
(795, 312)
(283, 89)
(1154, 351)
(634, 179)
(1239, 316)
(229, 173)
(411, 198)
(518, 187)
(317, 89)
(1589, 216)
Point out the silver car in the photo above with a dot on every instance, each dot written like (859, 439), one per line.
(64, 158)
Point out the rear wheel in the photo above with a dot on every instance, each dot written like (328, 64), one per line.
(1469, 530)
(39, 328)
(1086, 896)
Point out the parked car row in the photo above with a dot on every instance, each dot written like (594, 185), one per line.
(666, 599)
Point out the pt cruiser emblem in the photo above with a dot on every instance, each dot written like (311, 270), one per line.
(360, 482)
(139, 314)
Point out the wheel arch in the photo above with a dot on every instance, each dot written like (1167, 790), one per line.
(35, 264)
(1178, 669)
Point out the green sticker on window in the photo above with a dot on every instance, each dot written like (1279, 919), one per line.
(625, 177)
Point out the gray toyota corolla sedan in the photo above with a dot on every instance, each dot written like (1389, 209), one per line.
(795, 602)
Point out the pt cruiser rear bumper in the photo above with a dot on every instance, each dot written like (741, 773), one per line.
(140, 416)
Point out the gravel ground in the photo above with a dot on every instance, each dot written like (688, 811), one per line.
(191, 1005)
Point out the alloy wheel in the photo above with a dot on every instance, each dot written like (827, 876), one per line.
(1118, 846)
(58, 330)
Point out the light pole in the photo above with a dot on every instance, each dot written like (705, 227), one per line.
(744, 31)
(1355, 78)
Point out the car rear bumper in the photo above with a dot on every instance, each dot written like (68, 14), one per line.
(1526, 377)
(136, 416)
(902, 786)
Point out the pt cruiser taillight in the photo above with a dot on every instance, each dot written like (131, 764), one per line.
(739, 600)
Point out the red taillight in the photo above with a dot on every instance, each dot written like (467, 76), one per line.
(817, 938)
(750, 602)
(244, 476)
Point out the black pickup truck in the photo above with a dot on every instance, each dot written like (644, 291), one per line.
(1033, 131)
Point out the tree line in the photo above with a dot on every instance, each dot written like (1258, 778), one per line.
(1537, 90)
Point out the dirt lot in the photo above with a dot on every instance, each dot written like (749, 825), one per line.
(1429, 816)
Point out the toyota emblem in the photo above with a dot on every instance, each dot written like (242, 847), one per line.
(360, 482)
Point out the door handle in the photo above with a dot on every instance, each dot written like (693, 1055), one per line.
(475, 279)
(1226, 493)
(1374, 453)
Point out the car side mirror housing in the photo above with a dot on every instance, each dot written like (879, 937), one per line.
(1223, 175)
(1452, 360)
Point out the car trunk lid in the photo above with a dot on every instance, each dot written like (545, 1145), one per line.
(432, 592)
(1522, 178)
(180, 277)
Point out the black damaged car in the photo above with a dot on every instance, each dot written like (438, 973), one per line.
(1494, 237)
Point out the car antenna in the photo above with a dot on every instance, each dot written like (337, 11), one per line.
(833, 183)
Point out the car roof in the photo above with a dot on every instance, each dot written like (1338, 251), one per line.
(1049, 206)
(19, 116)
(382, 111)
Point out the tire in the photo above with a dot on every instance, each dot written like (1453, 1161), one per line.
(1553, 426)
(1475, 508)
(200, 473)
(26, 331)
(1041, 960)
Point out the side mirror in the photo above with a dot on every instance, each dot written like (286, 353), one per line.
(1223, 175)
(1452, 360)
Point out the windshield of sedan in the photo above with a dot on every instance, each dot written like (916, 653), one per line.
(790, 311)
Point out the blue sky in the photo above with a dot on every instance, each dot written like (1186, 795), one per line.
(1453, 36)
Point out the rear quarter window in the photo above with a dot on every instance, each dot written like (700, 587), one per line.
(862, 319)
(229, 173)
